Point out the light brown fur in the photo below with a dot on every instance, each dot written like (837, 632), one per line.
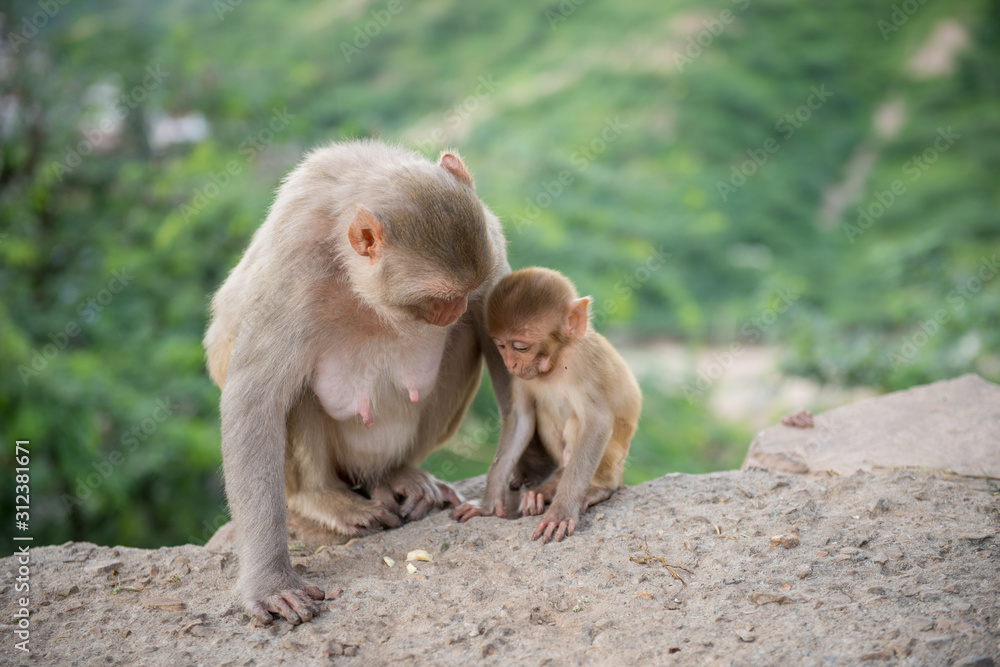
(338, 366)
(571, 388)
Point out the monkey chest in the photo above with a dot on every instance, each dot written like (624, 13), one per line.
(378, 374)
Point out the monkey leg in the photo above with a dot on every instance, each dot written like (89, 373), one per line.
(344, 511)
(411, 493)
(610, 472)
(253, 445)
(595, 494)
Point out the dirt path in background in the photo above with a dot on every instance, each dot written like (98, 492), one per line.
(746, 388)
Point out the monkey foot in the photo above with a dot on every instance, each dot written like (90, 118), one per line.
(295, 606)
(345, 512)
(595, 494)
(533, 503)
(466, 511)
(370, 518)
(412, 493)
(554, 526)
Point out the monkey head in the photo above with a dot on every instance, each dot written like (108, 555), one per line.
(532, 315)
(422, 243)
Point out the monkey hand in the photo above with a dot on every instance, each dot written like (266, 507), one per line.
(472, 508)
(296, 604)
(556, 524)
(411, 493)
(533, 503)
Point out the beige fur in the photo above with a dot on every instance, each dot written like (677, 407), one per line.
(571, 388)
(305, 321)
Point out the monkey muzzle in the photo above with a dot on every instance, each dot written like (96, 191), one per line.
(446, 311)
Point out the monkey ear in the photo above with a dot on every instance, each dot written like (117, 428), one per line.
(575, 320)
(453, 163)
(366, 234)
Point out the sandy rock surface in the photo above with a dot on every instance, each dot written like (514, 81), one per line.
(951, 425)
(763, 568)
(753, 567)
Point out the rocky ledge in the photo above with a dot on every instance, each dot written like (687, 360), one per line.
(827, 560)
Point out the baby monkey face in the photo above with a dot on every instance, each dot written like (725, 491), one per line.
(525, 355)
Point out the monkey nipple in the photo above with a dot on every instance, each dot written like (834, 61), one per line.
(414, 396)
(365, 410)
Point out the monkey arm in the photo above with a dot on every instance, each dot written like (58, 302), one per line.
(499, 376)
(515, 434)
(253, 408)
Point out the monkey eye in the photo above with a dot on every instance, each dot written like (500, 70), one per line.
(520, 347)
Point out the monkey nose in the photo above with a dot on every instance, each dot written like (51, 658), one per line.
(450, 310)
(510, 363)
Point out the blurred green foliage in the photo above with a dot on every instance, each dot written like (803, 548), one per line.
(602, 136)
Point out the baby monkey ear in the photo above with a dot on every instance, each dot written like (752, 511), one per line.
(366, 234)
(575, 320)
(453, 163)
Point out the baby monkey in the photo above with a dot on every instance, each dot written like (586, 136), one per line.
(572, 388)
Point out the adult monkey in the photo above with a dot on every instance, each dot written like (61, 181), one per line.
(348, 343)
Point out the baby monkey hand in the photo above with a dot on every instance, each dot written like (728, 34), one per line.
(470, 509)
(555, 525)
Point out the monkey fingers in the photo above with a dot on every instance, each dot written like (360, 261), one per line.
(295, 606)
(373, 517)
(415, 493)
(469, 510)
(465, 512)
(449, 494)
(549, 524)
(532, 503)
(384, 494)
(421, 507)
(445, 496)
